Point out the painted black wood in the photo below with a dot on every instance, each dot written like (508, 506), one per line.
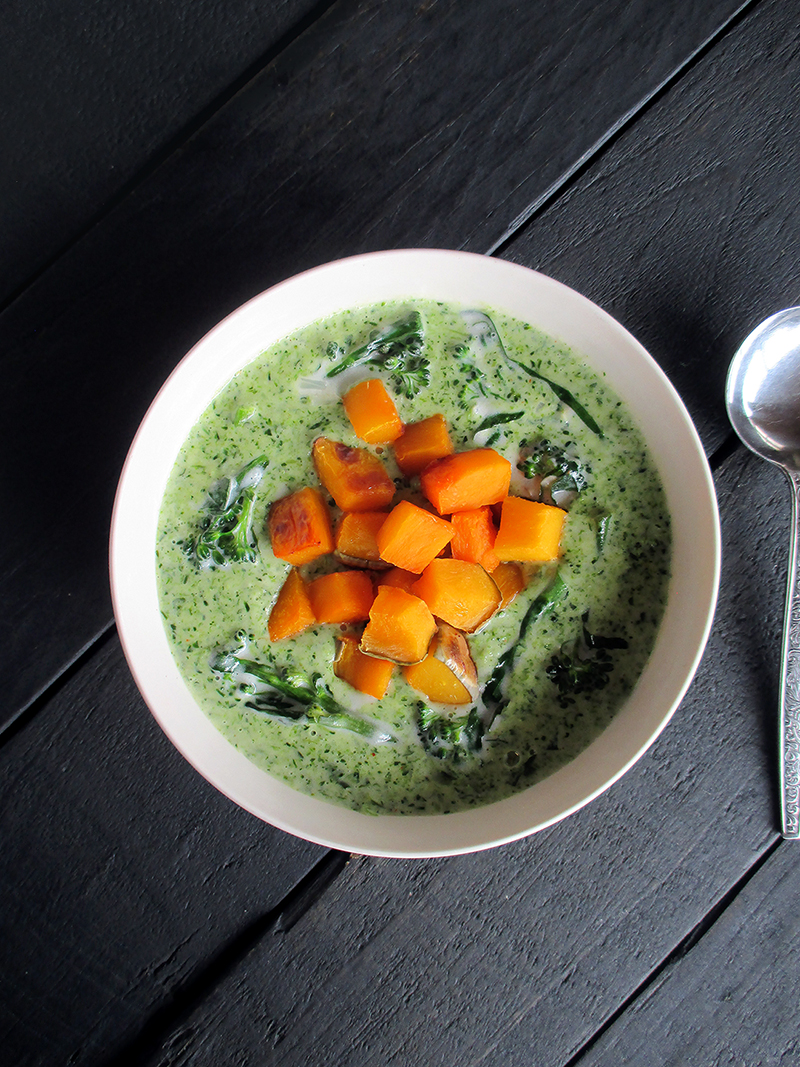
(381, 126)
(688, 229)
(124, 877)
(520, 955)
(93, 92)
(733, 998)
(141, 912)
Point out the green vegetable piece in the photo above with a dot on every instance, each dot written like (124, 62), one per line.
(583, 665)
(243, 415)
(226, 531)
(498, 420)
(450, 738)
(290, 694)
(484, 332)
(565, 396)
(559, 472)
(397, 350)
(494, 698)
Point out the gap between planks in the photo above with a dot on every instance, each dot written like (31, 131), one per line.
(175, 143)
(168, 1018)
(596, 152)
(681, 950)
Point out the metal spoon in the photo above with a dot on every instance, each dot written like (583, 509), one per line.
(763, 400)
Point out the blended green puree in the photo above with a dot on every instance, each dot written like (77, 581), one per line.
(614, 565)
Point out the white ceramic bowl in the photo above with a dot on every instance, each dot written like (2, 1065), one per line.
(465, 279)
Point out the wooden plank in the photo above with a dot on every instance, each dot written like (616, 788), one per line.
(89, 96)
(687, 229)
(123, 875)
(519, 955)
(733, 997)
(382, 126)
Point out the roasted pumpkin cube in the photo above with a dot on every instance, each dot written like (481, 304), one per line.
(529, 530)
(400, 627)
(474, 533)
(299, 527)
(367, 674)
(447, 675)
(421, 443)
(292, 611)
(355, 478)
(342, 596)
(510, 580)
(411, 537)
(461, 593)
(372, 413)
(355, 538)
(466, 480)
(399, 578)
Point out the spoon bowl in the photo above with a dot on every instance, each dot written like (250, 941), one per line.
(763, 400)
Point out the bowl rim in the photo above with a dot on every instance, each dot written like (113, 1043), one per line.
(462, 278)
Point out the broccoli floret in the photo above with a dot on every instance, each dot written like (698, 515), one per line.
(452, 738)
(226, 531)
(397, 350)
(558, 471)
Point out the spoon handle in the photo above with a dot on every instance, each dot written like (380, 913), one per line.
(789, 732)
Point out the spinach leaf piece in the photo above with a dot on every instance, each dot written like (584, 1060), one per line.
(564, 395)
(494, 698)
(485, 334)
(583, 665)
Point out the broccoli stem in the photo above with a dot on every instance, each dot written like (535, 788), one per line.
(308, 698)
(396, 340)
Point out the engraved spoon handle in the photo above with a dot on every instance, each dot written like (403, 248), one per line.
(789, 734)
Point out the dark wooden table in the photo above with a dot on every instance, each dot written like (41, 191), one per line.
(160, 164)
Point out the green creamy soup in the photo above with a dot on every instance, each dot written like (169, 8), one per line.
(554, 665)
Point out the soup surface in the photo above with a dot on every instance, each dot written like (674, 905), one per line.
(553, 666)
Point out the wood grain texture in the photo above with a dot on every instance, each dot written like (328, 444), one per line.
(519, 955)
(123, 875)
(688, 229)
(91, 92)
(733, 998)
(382, 126)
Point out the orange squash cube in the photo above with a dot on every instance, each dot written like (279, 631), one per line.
(299, 527)
(367, 674)
(474, 533)
(355, 537)
(292, 611)
(466, 480)
(355, 478)
(529, 530)
(372, 413)
(421, 443)
(400, 627)
(510, 580)
(459, 592)
(411, 537)
(343, 596)
(436, 681)
(399, 578)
